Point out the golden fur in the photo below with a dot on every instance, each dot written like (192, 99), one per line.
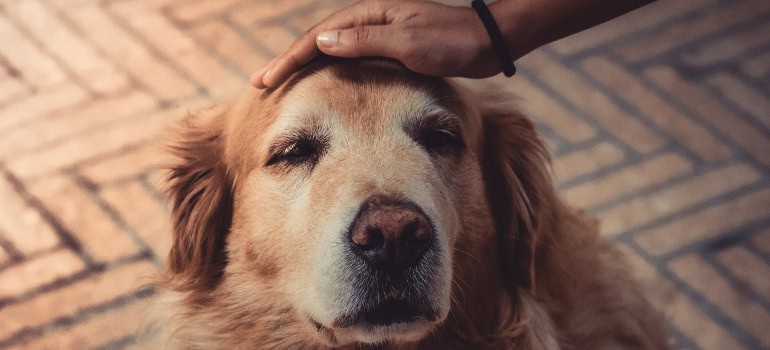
(527, 272)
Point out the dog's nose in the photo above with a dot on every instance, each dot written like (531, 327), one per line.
(391, 234)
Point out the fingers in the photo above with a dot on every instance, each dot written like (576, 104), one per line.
(304, 49)
(281, 67)
(379, 40)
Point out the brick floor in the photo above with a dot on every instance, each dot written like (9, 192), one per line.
(659, 124)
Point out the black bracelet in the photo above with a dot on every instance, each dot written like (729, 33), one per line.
(497, 38)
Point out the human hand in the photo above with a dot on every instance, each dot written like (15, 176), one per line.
(427, 37)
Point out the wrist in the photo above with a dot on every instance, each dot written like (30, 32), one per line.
(482, 56)
(519, 34)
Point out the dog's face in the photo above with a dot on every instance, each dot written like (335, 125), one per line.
(342, 196)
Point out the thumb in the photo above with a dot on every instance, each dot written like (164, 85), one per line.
(357, 41)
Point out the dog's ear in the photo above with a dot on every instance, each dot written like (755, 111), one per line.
(516, 170)
(200, 190)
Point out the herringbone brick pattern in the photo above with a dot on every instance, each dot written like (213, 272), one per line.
(659, 123)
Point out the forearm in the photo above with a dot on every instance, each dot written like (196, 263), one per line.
(529, 24)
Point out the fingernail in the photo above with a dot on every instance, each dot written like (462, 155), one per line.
(327, 39)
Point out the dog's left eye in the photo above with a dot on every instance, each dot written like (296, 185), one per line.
(298, 152)
(440, 141)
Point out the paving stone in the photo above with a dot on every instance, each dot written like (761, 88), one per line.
(596, 104)
(743, 95)
(685, 131)
(136, 162)
(111, 326)
(22, 224)
(82, 59)
(660, 120)
(671, 199)
(683, 32)
(642, 19)
(128, 51)
(741, 132)
(83, 217)
(228, 43)
(685, 314)
(749, 268)
(73, 122)
(38, 271)
(96, 289)
(705, 224)
(542, 107)
(151, 221)
(719, 291)
(31, 107)
(629, 179)
(34, 66)
(762, 241)
(585, 161)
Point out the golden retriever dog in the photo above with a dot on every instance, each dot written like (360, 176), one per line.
(363, 206)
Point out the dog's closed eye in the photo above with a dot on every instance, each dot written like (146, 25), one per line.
(438, 134)
(297, 149)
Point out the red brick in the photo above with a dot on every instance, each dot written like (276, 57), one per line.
(176, 44)
(260, 10)
(627, 180)
(11, 88)
(22, 224)
(73, 5)
(582, 162)
(110, 326)
(683, 32)
(91, 116)
(725, 49)
(738, 130)
(150, 220)
(145, 158)
(130, 53)
(275, 37)
(593, 102)
(35, 67)
(157, 180)
(747, 98)
(104, 141)
(84, 218)
(82, 59)
(762, 241)
(4, 258)
(718, 290)
(748, 268)
(692, 135)
(194, 10)
(678, 308)
(35, 106)
(705, 224)
(96, 289)
(671, 199)
(757, 66)
(545, 109)
(647, 17)
(230, 45)
(41, 270)
(306, 19)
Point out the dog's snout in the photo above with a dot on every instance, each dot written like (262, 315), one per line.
(391, 234)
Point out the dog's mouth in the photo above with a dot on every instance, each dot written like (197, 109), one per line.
(389, 312)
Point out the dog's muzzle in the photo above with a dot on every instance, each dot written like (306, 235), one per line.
(394, 256)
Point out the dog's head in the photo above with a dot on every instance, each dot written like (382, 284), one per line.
(347, 198)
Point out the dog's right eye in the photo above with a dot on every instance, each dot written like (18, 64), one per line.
(300, 151)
